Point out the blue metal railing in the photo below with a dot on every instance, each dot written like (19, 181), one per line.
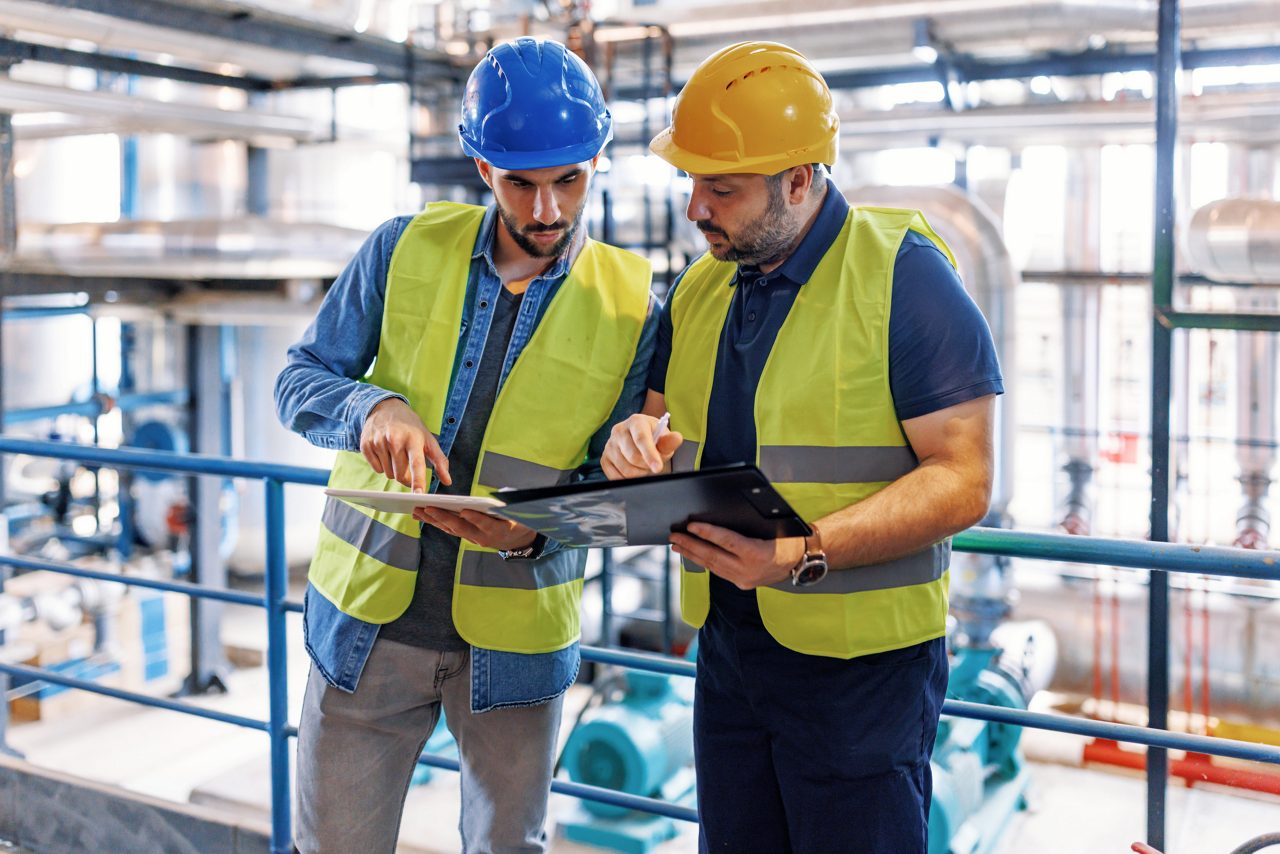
(1203, 560)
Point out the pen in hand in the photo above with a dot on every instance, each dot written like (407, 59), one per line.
(659, 430)
(661, 426)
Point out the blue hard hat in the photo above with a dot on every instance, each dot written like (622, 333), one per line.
(531, 103)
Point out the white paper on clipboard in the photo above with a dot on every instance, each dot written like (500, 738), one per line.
(406, 502)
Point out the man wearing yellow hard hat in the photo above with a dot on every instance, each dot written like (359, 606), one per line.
(834, 347)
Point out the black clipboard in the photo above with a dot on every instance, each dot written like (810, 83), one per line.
(646, 510)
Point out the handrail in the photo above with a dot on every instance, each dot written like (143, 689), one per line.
(1205, 560)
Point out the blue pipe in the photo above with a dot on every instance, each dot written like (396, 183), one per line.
(1153, 738)
(1135, 554)
(163, 461)
(276, 585)
(151, 583)
(592, 793)
(32, 312)
(94, 408)
(640, 661)
(131, 696)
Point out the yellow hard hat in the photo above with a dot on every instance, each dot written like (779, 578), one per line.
(756, 107)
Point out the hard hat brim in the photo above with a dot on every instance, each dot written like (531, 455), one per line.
(566, 156)
(665, 146)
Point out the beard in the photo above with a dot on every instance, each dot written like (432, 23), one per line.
(763, 241)
(520, 234)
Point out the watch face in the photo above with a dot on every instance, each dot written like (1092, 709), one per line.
(813, 570)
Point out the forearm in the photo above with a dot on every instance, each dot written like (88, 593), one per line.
(929, 504)
(328, 410)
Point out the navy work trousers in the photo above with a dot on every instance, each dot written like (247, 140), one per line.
(812, 755)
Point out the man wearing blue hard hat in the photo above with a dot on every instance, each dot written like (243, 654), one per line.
(463, 350)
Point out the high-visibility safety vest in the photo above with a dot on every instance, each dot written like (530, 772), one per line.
(560, 391)
(827, 435)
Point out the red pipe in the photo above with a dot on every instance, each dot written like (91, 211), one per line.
(1194, 767)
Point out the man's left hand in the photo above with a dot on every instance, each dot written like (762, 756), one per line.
(744, 562)
(482, 529)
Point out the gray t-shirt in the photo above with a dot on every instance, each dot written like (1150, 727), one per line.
(428, 622)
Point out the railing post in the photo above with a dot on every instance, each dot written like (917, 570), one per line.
(278, 715)
(606, 597)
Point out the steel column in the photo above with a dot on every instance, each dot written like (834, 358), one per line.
(1168, 60)
(205, 379)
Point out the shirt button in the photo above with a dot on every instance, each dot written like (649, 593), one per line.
(751, 316)
(468, 363)
(484, 304)
(452, 419)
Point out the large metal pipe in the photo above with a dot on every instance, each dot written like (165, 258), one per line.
(1256, 355)
(1239, 240)
(107, 111)
(247, 248)
(1081, 321)
(1221, 116)
(1236, 240)
(980, 586)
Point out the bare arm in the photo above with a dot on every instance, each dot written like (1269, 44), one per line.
(949, 491)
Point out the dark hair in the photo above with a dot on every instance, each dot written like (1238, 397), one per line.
(819, 171)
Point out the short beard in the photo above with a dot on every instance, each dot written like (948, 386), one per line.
(531, 248)
(764, 241)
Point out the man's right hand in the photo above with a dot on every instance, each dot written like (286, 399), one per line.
(396, 443)
(631, 451)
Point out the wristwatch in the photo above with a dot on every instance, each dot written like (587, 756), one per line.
(811, 568)
(529, 552)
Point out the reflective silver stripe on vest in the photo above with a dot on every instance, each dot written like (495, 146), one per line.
(690, 566)
(919, 568)
(499, 470)
(486, 569)
(818, 464)
(686, 455)
(371, 537)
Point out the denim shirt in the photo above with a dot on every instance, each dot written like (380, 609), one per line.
(318, 396)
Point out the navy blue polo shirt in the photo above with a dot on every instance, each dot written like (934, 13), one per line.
(940, 349)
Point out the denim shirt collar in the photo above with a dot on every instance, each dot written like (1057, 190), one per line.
(799, 266)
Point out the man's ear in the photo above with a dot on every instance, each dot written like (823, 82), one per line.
(799, 181)
(485, 170)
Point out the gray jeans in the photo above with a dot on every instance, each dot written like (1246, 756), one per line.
(356, 754)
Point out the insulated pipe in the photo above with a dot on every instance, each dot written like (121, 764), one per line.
(246, 248)
(1081, 321)
(1239, 240)
(1236, 240)
(1255, 423)
(974, 236)
(981, 589)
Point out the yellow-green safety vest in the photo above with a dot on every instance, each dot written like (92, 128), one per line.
(560, 391)
(827, 435)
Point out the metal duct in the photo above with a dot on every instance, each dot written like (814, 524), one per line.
(1236, 240)
(980, 584)
(248, 248)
